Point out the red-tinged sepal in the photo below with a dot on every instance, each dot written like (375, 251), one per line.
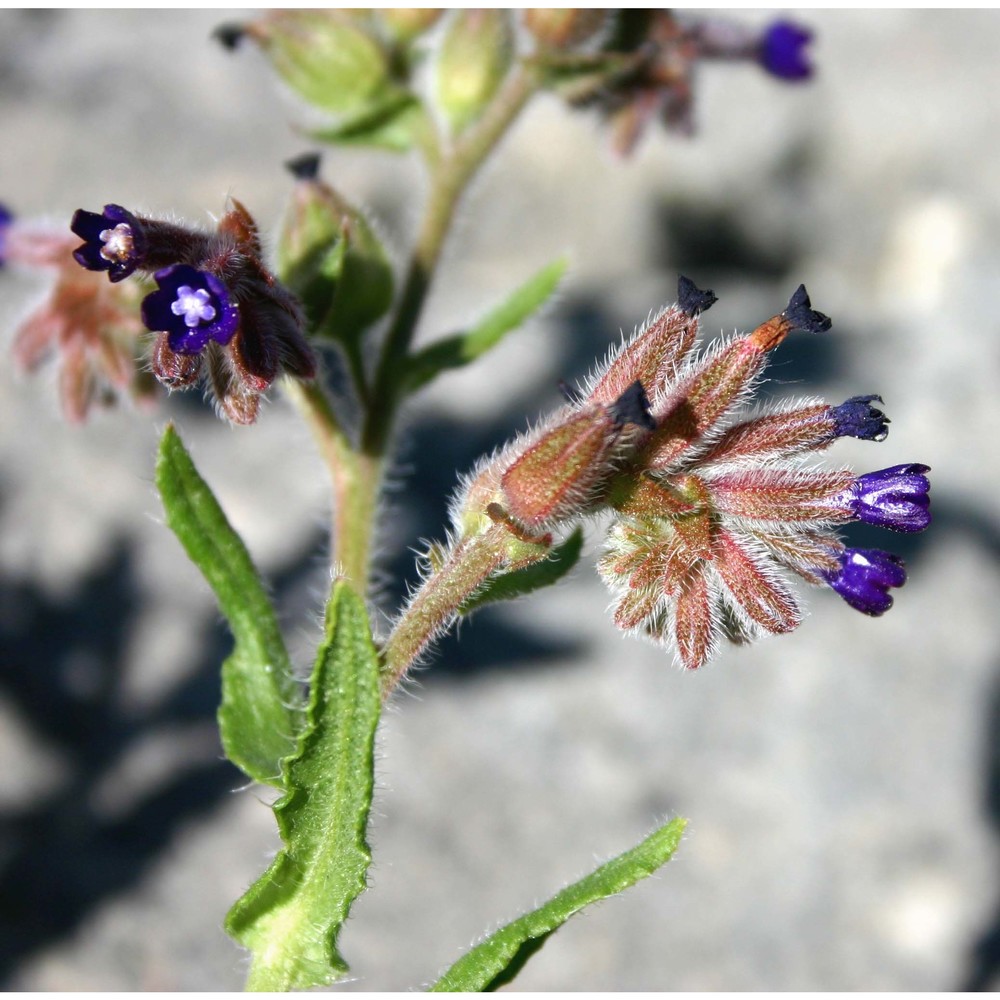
(696, 625)
(796, 497)
(754, 590)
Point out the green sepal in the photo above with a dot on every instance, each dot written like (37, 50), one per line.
(291, 916)
(261, 710)
(395, 124)
(331, 257)
(474, 57)
(508, 586)
(497, 960)
(458, 350)
(331, 58)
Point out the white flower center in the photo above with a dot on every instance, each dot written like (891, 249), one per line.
(193, 305)
(118, 243)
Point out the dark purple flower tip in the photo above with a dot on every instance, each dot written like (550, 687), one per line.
(6, 218)
(692, 300)
(114, 241)
(864, 577)
(304, 167)
(857, 418)
(782, 51)
(192, 307)
(896, 498)
(801, 315)
(632, 407)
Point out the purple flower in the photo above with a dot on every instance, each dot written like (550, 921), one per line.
(859, 419)
(782, 51)
(6, 218)
(192, 307)
(896, 498)
(864, 578)
(114, 241)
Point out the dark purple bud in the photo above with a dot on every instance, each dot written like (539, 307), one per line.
(692, 299)
(782, 51)
(801, 315)
(304, 167)
(896, 498)
(864, 577)
(859, 419)
(192, 307)
(632, 407)
(114, 241)
(6, 218)
(229, 36)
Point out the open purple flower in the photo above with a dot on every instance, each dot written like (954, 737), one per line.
(782, 51)
(896, 498)
(192, 307)
(6, 218)
(864, 577)
(857, 418)
(114, 241)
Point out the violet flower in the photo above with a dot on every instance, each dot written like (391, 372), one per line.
(864, 577)
(896, 498)
(114, 241)
(192, 307)
(782, 51)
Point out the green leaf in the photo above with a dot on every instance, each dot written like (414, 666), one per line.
(291, 916)
(522, 581)
(499, 958)
(453, 352)
(260, 713)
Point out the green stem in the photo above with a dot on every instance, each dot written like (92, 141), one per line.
(435, 605)
(357, 472)
(449, 179)
(355, 478)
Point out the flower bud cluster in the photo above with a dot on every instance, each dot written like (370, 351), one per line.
(711, 507)
(218, 313)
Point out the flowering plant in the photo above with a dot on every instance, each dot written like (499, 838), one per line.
(710, 506)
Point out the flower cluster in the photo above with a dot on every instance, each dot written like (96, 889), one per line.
(711, 507)
(217, 311)
(653, 57)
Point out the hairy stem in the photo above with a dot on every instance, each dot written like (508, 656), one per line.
(434, 607)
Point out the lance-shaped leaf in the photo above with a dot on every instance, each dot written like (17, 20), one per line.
(261, 711)
(507, 586)
(497, 960)
(460, 349)
(291, 916)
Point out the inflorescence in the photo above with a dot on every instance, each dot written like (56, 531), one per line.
(218, 313)
(711, 508)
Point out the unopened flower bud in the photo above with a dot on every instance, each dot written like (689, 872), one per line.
(6, 218)
(327, 57)
(651, 356)
(563, 28)
(556, 476)
(474, 58)
(407, 23)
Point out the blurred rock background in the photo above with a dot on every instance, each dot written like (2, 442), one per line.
(843, 783)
